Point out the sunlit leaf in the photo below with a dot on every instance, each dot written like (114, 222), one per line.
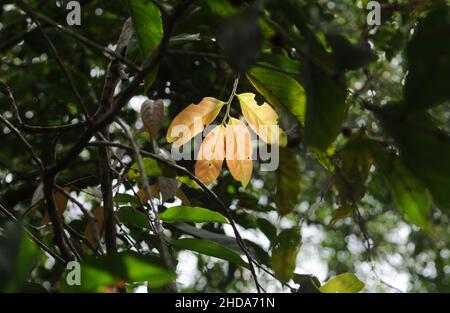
(343, 283)
(239, 151)
(192, 120)
(262, 119)
(211, 155)
(151, 168)
(280, 90)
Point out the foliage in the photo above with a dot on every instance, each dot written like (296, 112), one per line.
(357, 116)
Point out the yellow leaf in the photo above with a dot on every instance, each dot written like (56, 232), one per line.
(211, 155)
(239, 151)
(192, 120)
(262, 119)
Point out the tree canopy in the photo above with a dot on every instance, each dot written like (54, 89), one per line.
(353, 113)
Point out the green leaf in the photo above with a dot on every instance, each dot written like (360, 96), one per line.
(341, 213)
(210, 248)
(124, 198)
(221, 8)
(326, 158)
(284, 253)
(147, 25)
(325, 110)
(280, 90)
(151, 168)
(267, 228)
(127, 267)
(428, 55)
(288, 182)
(132, 217)
(191, 214)
(149, 31)
(188, 182)
(281, 61)
(18, 257)
(348, 56)
(308, 283)
(343, 283)
(411, 198)
(227, 241)
(424, 149)
(354, 162)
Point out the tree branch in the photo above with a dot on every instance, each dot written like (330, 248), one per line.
(63, 68)
(34, 238)
(155, 220)
(123, 98)
(91, 220)
(58, 231)
(6, 90)
(16, 40)
(211, 194)
(25, 142)
(93, 45)
(111, 81)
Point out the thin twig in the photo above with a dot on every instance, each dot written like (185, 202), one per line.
(28, 9)
(11, 42)
(6, 90)
(22, 138)
(122, 98)
(34, 238)
(211, 194)
(90, 218)
(63, 68)
(76, 234)
(155, 218)
(57, 225)
(216, 56)
(111, 81)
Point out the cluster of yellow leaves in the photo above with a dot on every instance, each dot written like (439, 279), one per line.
(230, 142)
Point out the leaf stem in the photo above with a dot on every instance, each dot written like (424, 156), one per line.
(230, 99)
